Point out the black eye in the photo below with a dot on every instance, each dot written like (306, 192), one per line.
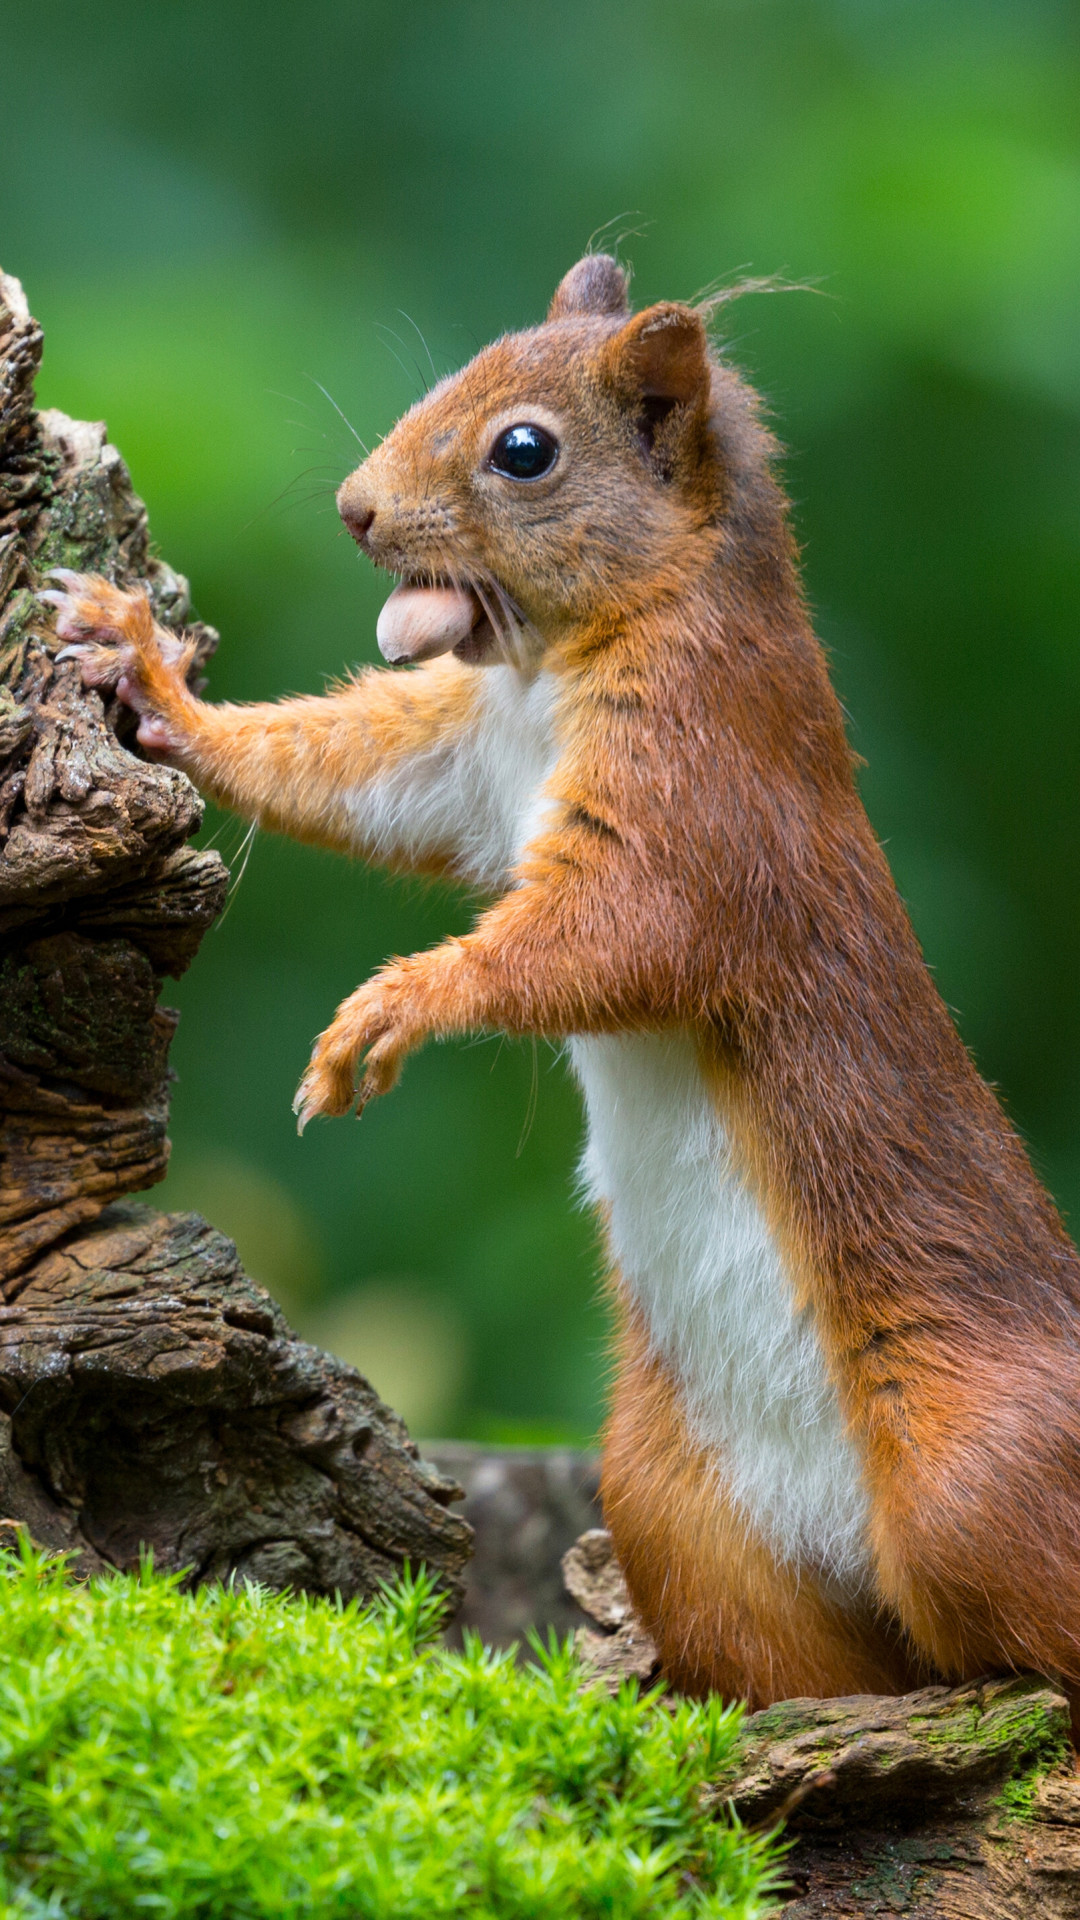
(524, 453)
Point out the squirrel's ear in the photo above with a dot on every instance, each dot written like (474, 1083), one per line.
(659, 364)
(661, 354)
(596, 285)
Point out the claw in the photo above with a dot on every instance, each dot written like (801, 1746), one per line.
(74, 652)
(67, 574)
(51, 596)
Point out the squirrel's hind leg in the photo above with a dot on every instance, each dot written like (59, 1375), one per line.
(977, 1522)
(727, 1616)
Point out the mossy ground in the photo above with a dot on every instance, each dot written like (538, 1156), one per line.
(235, 1753)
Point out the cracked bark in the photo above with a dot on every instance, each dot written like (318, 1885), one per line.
(150, 1394)
(158, 1400)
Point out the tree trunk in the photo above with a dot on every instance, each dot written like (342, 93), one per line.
(149, 1393)
(526, 1507)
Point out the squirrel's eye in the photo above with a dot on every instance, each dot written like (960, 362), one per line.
(524, 453)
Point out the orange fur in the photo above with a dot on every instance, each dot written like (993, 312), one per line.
(705, 865)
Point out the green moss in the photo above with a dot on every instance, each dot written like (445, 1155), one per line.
(1016, 1800)
(1017, 1797)
(1037, 1741)
(236, 1753)
(1021, 1724)
(20, 614)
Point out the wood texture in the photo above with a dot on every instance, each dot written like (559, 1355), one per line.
(526, 1506)
(154, 1398)
(99, 894)
(959, 1804)
(150, 1395)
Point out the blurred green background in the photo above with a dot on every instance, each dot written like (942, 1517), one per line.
(218, 208)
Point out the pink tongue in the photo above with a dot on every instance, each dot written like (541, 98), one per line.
(417, 623)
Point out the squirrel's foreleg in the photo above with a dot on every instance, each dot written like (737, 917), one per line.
(313, 767)
(550, 958)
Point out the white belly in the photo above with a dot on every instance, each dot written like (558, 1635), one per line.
(694, 1250)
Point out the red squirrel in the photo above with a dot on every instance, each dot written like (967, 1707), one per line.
(843, 1447)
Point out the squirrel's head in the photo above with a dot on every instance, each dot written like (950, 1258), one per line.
(565, 476)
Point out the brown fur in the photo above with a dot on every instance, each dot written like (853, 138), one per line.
(711, 867)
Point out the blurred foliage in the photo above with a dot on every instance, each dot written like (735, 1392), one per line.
(221, 210)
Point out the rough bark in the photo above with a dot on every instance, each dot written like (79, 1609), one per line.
(159, 1401)
(622, 1650)
(99, 894)
(150, 1395)
(947, 1804)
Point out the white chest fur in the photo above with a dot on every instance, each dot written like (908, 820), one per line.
(694, 1249)
(690, 1240)
(475, 797)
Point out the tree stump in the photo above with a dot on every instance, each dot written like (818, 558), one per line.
(150, 1395)
(157, 1400)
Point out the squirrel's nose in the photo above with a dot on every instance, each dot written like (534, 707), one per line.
(358, 516)
(359, 521)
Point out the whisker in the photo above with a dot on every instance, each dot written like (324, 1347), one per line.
(293, 399)
(511, 627)
(322, 466)
(364, 448)
(305, 426)
(244, 855)
(309, 426)
(530, 1109)
(495, 621)
(319, 492)
(518, 624)
(382, 327)
(423, 342)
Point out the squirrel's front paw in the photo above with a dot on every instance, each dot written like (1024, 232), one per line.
(371, 1024)
(102, 621)
(111, 632)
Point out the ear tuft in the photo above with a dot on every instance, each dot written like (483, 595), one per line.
(596, 285)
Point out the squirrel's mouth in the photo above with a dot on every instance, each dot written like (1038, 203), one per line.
(423, 618)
